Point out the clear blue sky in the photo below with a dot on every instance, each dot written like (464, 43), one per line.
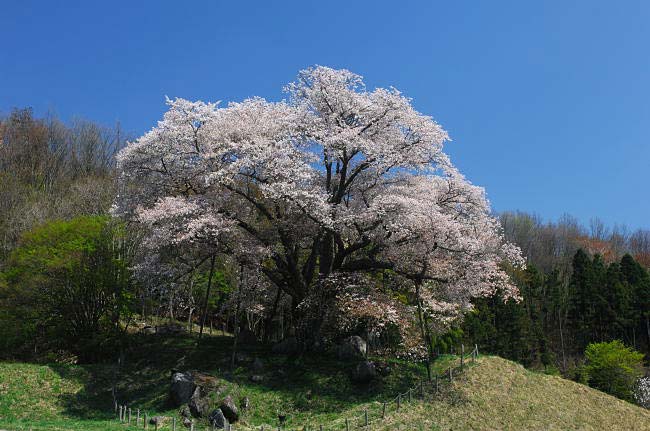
(547, 102)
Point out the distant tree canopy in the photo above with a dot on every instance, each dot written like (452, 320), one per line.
(558, 318)
(49, 170)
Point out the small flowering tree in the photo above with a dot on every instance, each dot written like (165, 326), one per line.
(337, 180)
(642, 392)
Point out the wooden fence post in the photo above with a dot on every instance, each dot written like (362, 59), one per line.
(462, 355)
(137, 418)
(174, 423)
(321, 427)
(451, 375)
(383, 411)
(399, 401)
(146, 424)
(365, 414)
(129, 416)
(347, 425)
(410, 395)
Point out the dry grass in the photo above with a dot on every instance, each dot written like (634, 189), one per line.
(501, 395)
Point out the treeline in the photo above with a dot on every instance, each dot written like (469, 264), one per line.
(63, 282)
(64, 265)
(51, 170)
(582, 285)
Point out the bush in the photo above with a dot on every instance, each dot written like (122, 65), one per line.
(613, 368)
(65, 287)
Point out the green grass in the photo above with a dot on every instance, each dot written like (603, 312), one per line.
(311, 390)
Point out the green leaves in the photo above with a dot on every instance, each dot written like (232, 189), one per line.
(613, 368)
(71, 278)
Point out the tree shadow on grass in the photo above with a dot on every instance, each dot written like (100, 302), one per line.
(314, 383)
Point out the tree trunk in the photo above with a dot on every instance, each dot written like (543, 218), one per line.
(426, 338)
(207, 295)
(236, 340)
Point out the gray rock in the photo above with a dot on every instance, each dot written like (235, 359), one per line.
(229, 409)
(171, 328)
(187, 422)
(287, 346)
(256, 378)
(148, 330)
(352, 348)
(245, 403)
(182, 388)
(383, 368)
(242, 358)
(364, 372)
(157, 420)
(185, 412)
(258, 365)
(199, 406)
(217, 419)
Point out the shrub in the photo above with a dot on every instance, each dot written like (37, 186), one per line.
(613, 368)
(65, 287)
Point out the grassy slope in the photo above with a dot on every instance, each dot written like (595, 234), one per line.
(501, 395)
(496, 394)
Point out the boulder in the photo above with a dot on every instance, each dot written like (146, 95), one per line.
(383, 368)
(364, 372)
(257, 366)
(217, 419)
(171, 328)
(256, 378)
(242, 358)
(157, 420)
(229, 409)
(148, 330)
(245, 403)
(199, 406)
(288, 346)
(187, 422)
(182, 388)
(185, 412)
(207, 383)
(352, 348)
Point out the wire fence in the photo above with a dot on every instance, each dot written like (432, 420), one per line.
(376, 412)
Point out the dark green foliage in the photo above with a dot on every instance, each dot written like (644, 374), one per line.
(559, 316)
(66, 287)
(613, 368)
(512, 329)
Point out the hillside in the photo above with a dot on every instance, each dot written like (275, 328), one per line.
(499, 394)
(314, 390)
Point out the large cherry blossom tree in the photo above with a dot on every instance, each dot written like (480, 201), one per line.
(333, 182)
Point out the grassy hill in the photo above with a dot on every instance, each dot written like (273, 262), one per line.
(311, 390)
